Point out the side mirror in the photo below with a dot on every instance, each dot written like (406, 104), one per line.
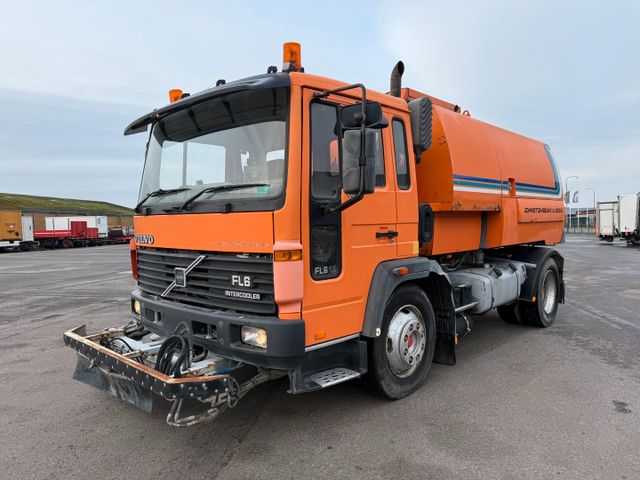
(351, 171)
(351, 116)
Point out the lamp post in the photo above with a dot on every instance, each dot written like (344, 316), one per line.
(566, 189)
(594, 206)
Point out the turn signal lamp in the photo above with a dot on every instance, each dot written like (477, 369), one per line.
(175, 94)
(256, 337)
(400, 271)
(287, 255)
(291, 56)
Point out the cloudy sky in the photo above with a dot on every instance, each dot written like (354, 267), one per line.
(74, 74)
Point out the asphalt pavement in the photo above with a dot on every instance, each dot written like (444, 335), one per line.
(562, 402)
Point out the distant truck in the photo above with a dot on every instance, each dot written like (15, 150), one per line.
(67, 232)
(292, 225)
(629, 218)
(16, 231)
(78, 234)
(607, 221)
(93, 221)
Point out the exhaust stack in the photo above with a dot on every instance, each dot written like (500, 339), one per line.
(396, 79)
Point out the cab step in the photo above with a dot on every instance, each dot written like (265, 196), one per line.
(333, 376)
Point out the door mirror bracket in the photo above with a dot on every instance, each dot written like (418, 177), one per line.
(357, 122)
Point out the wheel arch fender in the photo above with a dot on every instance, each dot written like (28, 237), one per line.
(429, 276)
(386, 279)
(538, 256)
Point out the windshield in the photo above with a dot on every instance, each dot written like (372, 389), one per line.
(229, 141)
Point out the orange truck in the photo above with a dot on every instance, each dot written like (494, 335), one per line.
(291, 225)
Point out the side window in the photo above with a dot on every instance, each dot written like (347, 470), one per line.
(401, 155)
(381, 180)
(325, 169)
(325, 230)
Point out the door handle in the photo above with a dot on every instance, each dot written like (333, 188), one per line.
(390, 234)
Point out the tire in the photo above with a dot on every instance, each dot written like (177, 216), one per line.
(509, 313)
(394, 371)
(542, 312)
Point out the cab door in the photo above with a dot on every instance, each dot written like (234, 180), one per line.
(406, 190)
(342, 249)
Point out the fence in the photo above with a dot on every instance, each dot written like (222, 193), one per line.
(580, 221)
(575, 230)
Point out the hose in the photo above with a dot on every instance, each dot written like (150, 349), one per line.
(135, 330)
(173, 356)
(455, 264)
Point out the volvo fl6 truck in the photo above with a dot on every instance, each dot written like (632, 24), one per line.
(291, 225)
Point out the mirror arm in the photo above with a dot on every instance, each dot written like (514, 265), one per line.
(326, 93)
(351, 200)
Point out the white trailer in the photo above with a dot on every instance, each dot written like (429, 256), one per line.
(27, 228)
(93, 221)
(629, 217)
(607, 220)
(628, 213)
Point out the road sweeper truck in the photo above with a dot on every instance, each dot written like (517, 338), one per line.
(291, 225)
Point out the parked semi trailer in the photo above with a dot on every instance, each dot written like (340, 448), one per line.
(92, 221)
(78, 234)
(67, 233)
(294, 225)
(16, 231)
(629, 218)
(607, 221)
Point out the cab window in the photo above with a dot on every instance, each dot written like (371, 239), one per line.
(325, 168)
(326, 181)
(381, 180)
(401, 155)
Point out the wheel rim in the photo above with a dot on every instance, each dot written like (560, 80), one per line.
(406, 341)
(549, 292)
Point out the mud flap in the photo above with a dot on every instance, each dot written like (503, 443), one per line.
(114, 384)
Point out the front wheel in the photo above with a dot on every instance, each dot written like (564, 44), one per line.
(401, 356)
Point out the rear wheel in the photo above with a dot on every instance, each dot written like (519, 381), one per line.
(542, 312)
(401, 356)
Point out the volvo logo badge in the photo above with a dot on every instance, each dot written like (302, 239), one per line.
(146, 239)
(180, 276)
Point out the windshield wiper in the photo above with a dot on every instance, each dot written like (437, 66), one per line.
(219, 188)
(158, 193)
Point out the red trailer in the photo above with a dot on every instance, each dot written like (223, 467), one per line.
(79, 235)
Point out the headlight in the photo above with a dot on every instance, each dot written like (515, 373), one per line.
(136, 306)
(256, 337)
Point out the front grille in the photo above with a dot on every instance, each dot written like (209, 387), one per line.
(207, 282)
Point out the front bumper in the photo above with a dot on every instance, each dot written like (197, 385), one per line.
(220, 331)
(136, 373)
